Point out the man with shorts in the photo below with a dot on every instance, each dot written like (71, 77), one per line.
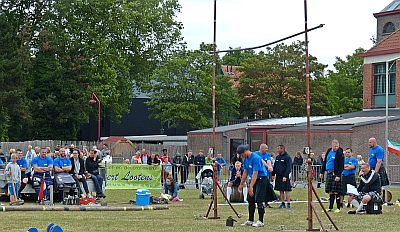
(255, 170)
(333, 166)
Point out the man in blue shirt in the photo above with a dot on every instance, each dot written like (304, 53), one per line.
(255, 170)
(333, 166)
(42, 166)
(376, 158)
(62, 164)
(221, 163)
(23, 166)
(267, 161)
(349, 171)
(266, 157)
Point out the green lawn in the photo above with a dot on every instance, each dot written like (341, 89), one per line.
(184, 216)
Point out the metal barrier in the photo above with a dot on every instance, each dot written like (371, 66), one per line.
(186, 175)
(299, 175)
(393, 172)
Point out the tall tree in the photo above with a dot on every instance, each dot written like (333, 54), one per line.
(181, 91)
(15, 63)
(345, 84)
(236, 58)
(273, 84)
(78, 47)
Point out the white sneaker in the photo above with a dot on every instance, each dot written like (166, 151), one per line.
(258, 224)
(247, 223)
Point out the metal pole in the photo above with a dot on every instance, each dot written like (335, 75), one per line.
(307, 76)
(310, 219)
(214, 107)
(98, 119)
(387, 116)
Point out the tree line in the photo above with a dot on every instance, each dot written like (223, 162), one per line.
(53, 54)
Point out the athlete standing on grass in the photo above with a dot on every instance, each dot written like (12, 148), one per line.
(254, 168)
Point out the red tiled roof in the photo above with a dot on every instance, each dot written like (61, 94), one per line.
(388, 45)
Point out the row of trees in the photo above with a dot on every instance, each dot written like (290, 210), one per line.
(53, 54)
(272, 84)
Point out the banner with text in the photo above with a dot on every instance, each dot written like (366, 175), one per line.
(133, 176)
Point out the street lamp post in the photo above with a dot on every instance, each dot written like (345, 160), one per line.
(95, 99)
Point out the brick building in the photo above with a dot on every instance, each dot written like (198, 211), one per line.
(385, 55)
(352, 129)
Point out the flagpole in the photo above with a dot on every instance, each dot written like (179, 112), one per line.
(387, 118)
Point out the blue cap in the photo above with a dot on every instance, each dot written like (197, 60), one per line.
(242, 148)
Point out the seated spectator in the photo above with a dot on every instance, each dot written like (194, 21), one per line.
(62, 164)
(369, 189)
(78, 171)
(172, 189)
(234, 180)
(13, 176)
(42, 165)
(153, 160)
(92, 171)
(136, 158)
(126, 161)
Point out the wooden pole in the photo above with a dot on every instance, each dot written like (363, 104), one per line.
(81, 208)
(215, 198)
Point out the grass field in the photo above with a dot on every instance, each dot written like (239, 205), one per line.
(184, 216)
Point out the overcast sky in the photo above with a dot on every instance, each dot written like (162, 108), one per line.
(349, 24)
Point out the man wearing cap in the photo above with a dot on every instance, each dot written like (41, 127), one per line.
(257, 173)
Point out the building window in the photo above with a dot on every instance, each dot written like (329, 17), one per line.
(380, 84)
(388, 28)
(380, 78)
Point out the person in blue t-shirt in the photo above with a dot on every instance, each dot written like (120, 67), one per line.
(42, 166)
(256, 171)
(376, 158)
(333, 166)
(266, 157)
(349, 171)
(221, 163)
(25, 172)
(62, 164)
(267, 161)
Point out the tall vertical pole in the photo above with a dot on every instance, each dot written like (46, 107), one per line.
(307, 76)
(310, 219)
(387, 121)
(98, 119)
(214, 106)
